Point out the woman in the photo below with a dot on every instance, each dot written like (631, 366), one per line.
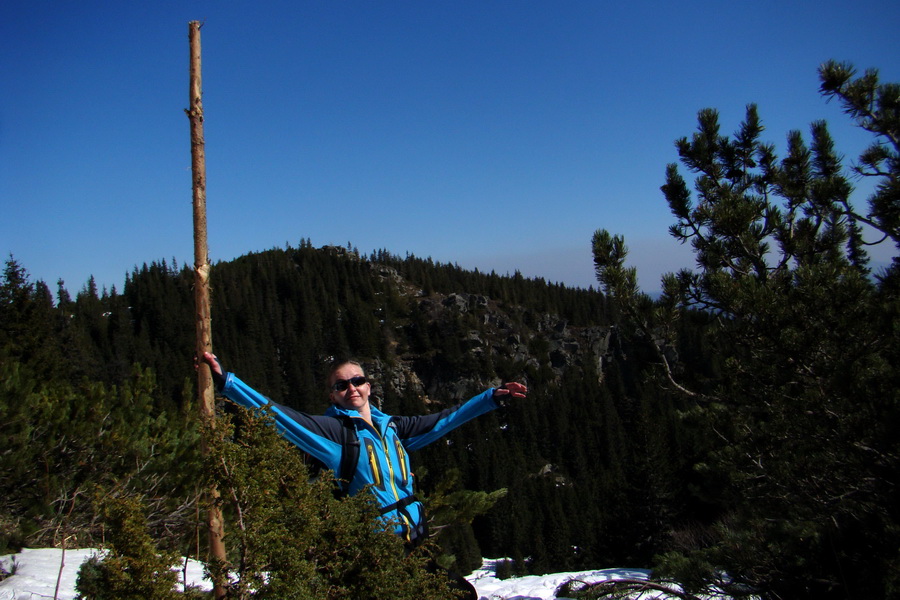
(360, 443)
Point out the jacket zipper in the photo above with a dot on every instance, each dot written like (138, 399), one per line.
(387, 454)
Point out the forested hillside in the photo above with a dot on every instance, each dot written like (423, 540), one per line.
(595, 464)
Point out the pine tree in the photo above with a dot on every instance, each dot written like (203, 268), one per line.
(875, 108)
(133, 567)
(292, 539)
(801, 404)
(26, 320)
(451, 511)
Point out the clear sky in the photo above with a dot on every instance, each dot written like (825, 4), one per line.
(492, 134)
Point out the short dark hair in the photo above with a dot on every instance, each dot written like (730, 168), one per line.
(337, 364)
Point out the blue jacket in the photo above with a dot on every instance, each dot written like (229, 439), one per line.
(383, 463)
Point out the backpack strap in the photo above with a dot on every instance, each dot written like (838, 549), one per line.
(349, 457)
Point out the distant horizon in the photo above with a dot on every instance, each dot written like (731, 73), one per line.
(876, 266)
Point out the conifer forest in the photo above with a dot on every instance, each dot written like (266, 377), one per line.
(738, 432)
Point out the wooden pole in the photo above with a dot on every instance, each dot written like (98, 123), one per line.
(206, 392)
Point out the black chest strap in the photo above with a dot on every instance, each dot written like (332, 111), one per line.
(349, 456)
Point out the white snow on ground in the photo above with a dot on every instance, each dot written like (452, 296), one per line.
(538, 587)
(36, 572)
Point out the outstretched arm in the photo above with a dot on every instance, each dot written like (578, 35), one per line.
(420, 431)
(316, 435)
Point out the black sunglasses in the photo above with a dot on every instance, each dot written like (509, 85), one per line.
(342, 384)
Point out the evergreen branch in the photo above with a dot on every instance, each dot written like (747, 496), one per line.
(618, 588)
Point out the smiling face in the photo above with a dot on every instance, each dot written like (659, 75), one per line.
(353, 397)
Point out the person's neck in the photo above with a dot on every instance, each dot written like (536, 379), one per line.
(366, 413)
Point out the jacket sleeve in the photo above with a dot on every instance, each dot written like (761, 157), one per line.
(417, 432)
(319, 436)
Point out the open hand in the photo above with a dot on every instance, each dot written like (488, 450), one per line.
(512, 389)
(218, 374)
(213, 362)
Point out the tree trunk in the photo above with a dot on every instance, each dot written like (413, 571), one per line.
(206, 395)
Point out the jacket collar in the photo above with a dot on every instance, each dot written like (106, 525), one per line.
(378, 417)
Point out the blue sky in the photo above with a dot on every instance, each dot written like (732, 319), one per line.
(493, 134)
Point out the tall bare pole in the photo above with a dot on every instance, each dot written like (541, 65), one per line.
(206, 392)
